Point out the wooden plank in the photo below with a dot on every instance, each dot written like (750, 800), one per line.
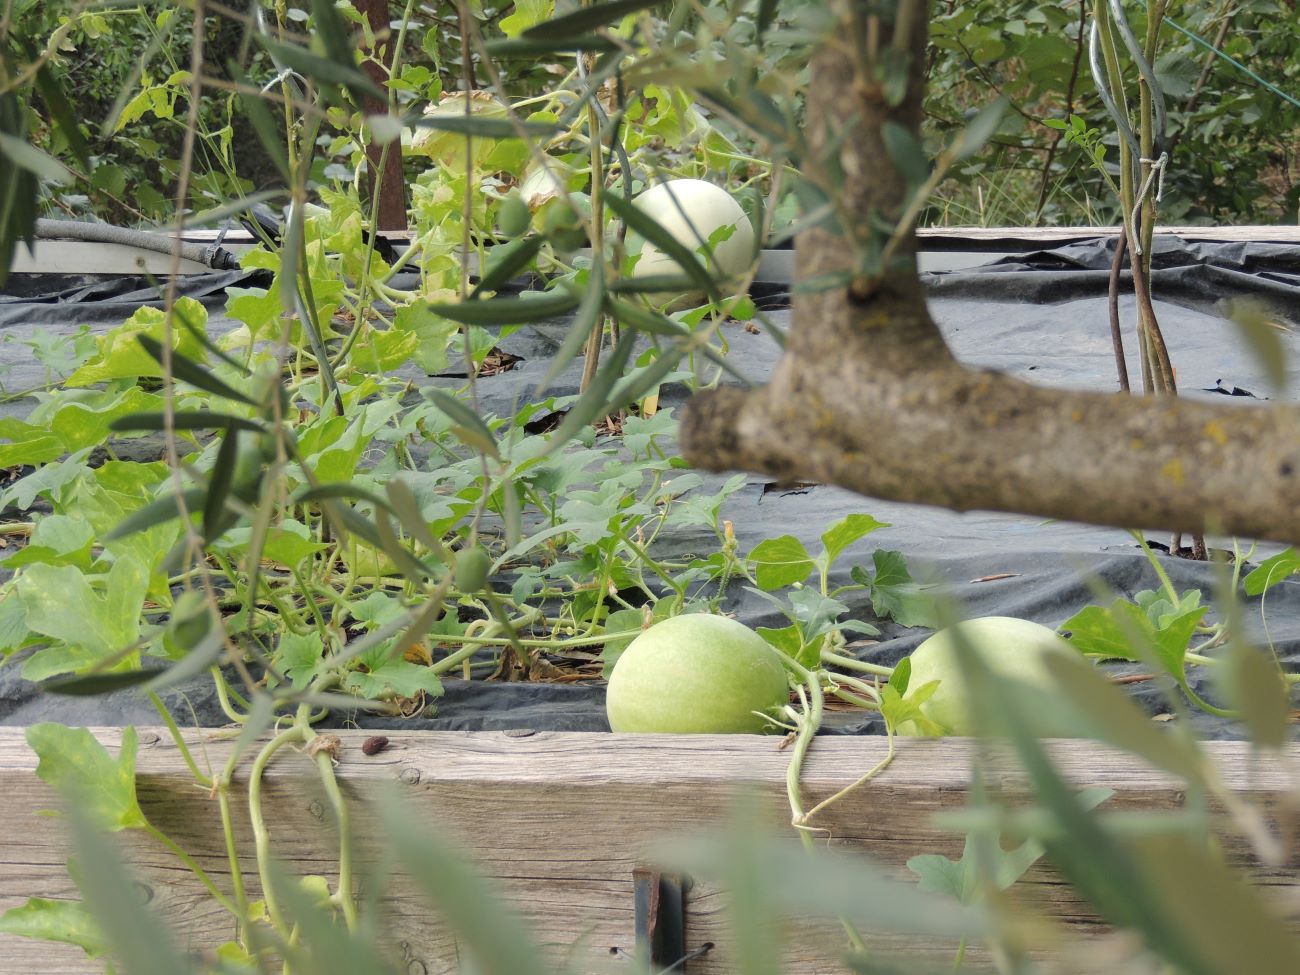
(560, 820)
(942, 248)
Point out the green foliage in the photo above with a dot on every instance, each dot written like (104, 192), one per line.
(1042, 164)
(346, 544)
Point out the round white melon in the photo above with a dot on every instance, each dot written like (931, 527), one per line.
(696, 674)
(1012, 648)
(692, 210)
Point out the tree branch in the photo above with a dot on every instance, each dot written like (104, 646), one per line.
(869, 397)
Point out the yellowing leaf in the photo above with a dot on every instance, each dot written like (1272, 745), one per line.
(74, 762)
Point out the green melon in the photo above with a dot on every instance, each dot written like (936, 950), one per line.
(1012, 648)
(696, 674)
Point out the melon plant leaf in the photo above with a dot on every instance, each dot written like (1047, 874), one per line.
(526, 13)
(120, 355)
(618, 621)
(86, 423)
(299, 657)
(1271, 571)
(433, 331)
(1092, 631)
(48, 480)
(61, 603)
(902, 675)
(158, 512)
(66, 922)
(1113, 632)
(780, 562)
(32, 445)
(895, 594)
(898, 710)
(845, 532)
(74, 762)
(394, 676)
(788, 639)
(57, 540)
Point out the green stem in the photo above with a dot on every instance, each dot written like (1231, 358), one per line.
(193, 864)
(1165, 582)
(831, 658)
(262, 838)
(179, 741)
(808, 725)
(325, 763)
(223, 697)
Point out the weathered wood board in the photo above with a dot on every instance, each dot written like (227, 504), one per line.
(561, 821)
(942, 248)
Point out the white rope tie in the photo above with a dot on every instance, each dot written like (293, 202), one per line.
(1156, 175)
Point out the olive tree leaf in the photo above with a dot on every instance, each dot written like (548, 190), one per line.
(1260, 327)
(586, 18)
(961, 878)
(26, 156)
(1254, 688)
(74, 762)
(980, 129)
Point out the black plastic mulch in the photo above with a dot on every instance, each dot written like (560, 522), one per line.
(1040, 314)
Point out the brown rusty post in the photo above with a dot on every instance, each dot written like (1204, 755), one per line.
(392, 191)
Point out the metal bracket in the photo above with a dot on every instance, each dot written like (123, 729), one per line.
(660, 904)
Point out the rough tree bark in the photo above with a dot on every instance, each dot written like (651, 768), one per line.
(868, 396)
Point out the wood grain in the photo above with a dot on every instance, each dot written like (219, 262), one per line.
(560, 820)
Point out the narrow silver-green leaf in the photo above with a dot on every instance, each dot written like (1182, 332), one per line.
(586, 19)
(596, 401)
(469, 425)
(650, 229)
(589, 314)
(531, 306)
(1115, 719)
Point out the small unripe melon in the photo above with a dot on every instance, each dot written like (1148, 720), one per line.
(1012, 648)
(692, 210)
(696, 674)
